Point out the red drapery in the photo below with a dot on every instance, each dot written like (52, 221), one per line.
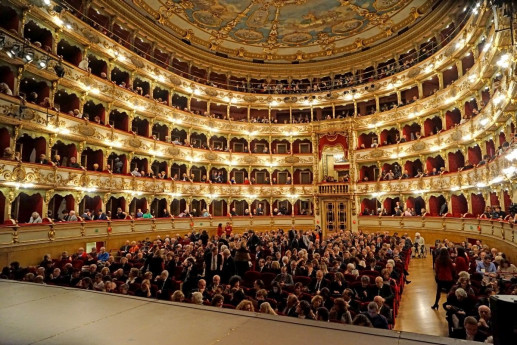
(333, 140)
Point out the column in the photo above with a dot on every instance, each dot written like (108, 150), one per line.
(17, 81)
(315, 149)
(459, 66)
(420, 90)
(440, 80)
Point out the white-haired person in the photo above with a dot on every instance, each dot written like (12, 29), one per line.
(419, 245)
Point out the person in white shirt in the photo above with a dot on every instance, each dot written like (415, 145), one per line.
(419, 246)
(84, 64)
(35, 218)
(136, 173)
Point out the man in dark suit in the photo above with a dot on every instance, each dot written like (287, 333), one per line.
(42, 159)
(99, 215)
(470, 330)
(381, 289)
(384, 309)
(125, 248)
(318, 283)
(377, 320)
(363, 291)
(119, 214)
(290, 309)
(349, 297)
(228, 267)
(213, 263)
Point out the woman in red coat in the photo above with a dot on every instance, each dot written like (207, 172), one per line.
(444, 270)
(220, 230)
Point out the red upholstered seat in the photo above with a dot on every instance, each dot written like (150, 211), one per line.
(302, 279)
(267, 278)
(250, 277)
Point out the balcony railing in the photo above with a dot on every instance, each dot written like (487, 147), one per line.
(333, 189)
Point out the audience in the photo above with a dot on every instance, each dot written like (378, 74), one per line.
(293, 273)
(477, 275)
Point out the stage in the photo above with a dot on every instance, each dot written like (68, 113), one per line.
(39, 314)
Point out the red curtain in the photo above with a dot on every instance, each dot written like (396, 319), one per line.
(494, 199)
(468, 108)
(459, 205)
(502, 138)
(474, 154)
(434, 205)
(388, 205)
(34, 203)
(2, 207)
(478, 204)
(70, 202)
(490, 148)
(333, 140)
(507, 200)
(7, 76)
(5, 139)
(371, 204)
(456, 161)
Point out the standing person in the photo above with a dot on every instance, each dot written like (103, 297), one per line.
(444, 270)
(228, 230)
(242, 259)
(220, 230)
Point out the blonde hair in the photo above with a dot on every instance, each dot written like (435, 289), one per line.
(197, 297)
(177, 296)
(266, 308)
(242, 305)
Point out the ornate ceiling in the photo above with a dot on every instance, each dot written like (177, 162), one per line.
(277, 30)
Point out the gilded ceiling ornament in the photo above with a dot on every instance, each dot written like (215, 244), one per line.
(249, 35)
(297, 38)
(241, 52)
(206, 18)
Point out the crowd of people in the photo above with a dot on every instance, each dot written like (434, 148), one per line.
(353, 278)
(470, 273)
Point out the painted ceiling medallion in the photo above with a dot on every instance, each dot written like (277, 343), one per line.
(278, 29)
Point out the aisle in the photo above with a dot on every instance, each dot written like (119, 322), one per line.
(415, 313)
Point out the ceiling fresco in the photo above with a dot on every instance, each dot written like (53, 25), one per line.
(285, 29)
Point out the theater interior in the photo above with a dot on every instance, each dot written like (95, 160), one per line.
(258, 171)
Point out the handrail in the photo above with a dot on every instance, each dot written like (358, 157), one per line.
(495, 231)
